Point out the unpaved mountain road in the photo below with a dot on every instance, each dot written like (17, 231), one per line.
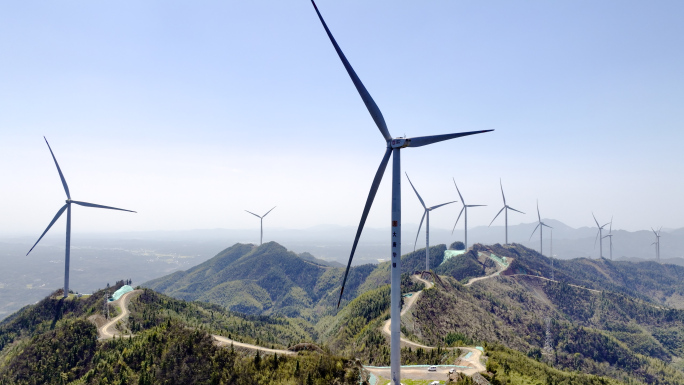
(223, 341)
(421, 373)
(108, 330)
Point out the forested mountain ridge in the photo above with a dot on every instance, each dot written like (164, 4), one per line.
(269, 279)
(584, 327)
(56, 342)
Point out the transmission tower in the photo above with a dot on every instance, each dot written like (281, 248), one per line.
(548, 342)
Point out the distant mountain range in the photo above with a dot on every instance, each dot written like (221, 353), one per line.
(101, 258)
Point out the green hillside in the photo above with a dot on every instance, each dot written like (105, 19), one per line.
(269, 279)
(55, 342)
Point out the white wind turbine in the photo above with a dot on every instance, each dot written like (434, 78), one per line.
(261, 220)
(394, 146)
(657, 242)
(67, 207)
(610, 237)
(426, 213)
(464, 209)
(540, 226)
(505, 207)
(599, 235)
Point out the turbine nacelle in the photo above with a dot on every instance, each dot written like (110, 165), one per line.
(399, 142)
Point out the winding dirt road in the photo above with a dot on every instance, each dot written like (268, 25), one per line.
(468, 366)
(108, 330)
(223, 341)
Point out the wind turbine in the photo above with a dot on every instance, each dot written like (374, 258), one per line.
(261, 219)
(657, 242)
(464, 209)
(505, 207)
(426, 213)
(599, 235)
(394, 146)
(610, 237)
(67, 207)
(540, 226)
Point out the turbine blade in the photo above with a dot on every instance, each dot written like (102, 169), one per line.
(459, 217)
(544, 224)
(418, 233)
(367, 99)
(86, 204)
(611, 225)
(538, 215)
(269, 211)
(502, 193)
(459, 191)
(535, 230)
(369, 202)
(59, 170)
(476, 205)
(497, 215)
(253, 214)
(416, 191)
(59, 213)
(438, 206)
(425, 140)
(597, 225)
(596, 239)
(511, 208)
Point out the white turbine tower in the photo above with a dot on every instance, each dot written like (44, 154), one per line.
(540, 226)
(426, 213)
(505, 207)
(657, 242)
(465, 218)
(610, 237)
(599, 235)
(261, 219)
(67, 207)
(394, 146)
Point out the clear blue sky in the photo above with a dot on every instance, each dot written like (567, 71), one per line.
(190, 112)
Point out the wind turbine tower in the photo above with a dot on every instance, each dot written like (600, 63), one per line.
(610, 237)
(67, 207)
(599, 235)
(506, 208)
(426, 213)
(394, 146)
(465, 218)
(261, 220)
(657, 242)
(540, 226)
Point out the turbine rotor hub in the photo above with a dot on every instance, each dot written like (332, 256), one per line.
(399, 142)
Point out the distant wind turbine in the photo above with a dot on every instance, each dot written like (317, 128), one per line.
(610, 237)
(657, 242)
(426, 213)
(540, 226)
(394, 146)
(67, 207)
(599, 235)
(465, 218)
(261, 219)
(505, 207)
